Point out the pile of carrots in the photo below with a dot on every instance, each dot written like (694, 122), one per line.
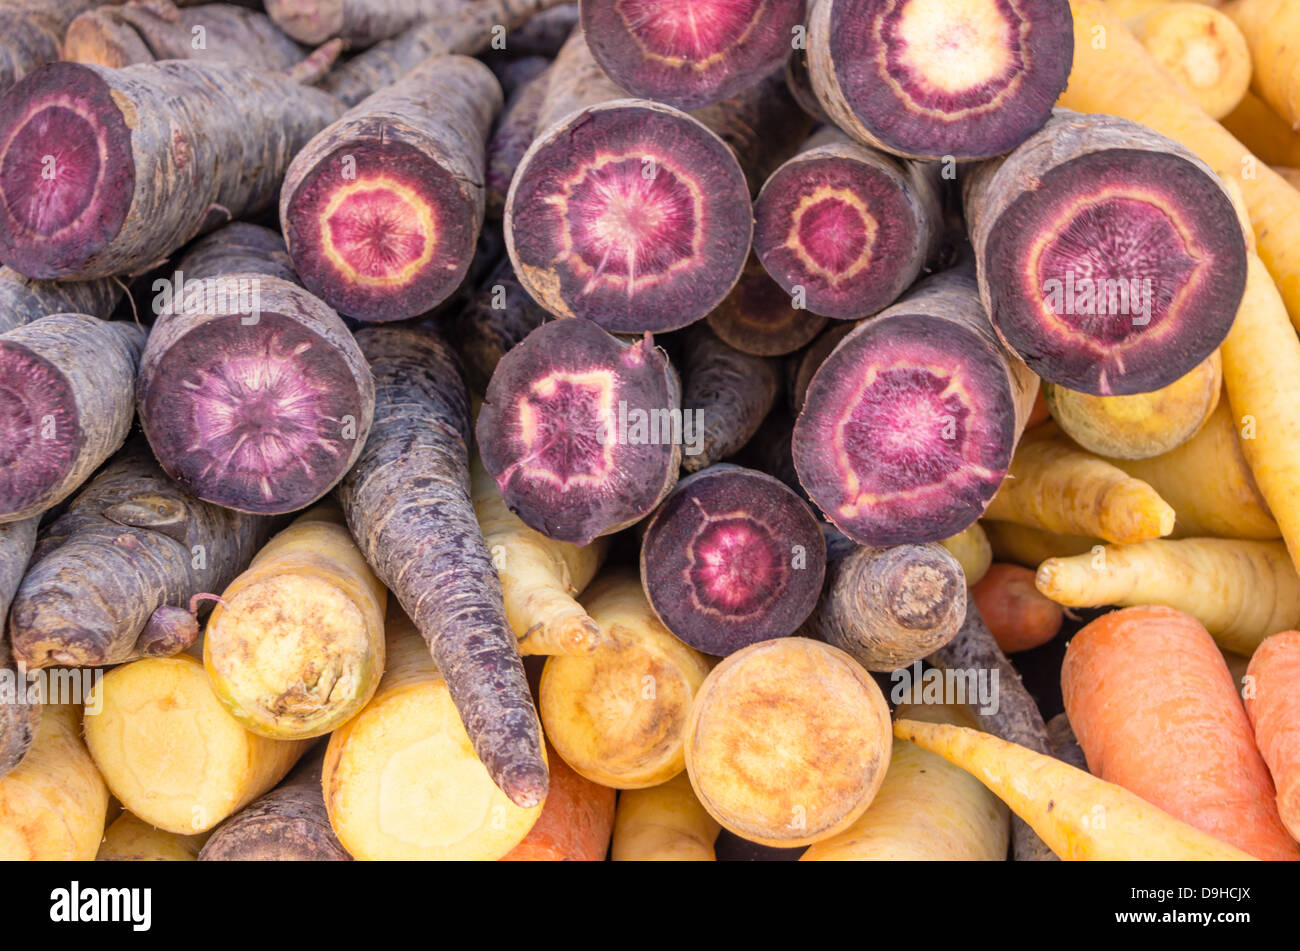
(370, 568)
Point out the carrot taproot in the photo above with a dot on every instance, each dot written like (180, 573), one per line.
(23, 299)
(289, 823)
(762, 716)
(130, 839)
(1030, 547)
(52, 805)
(169, 750)
(402, 780)
(69, 384)
(1270, 27)
(32, 31)
(295, 646)
(540, 577)
(153, 547)
(1242, 591)
(575, 824)
(408, 505)
(359, 23)
(1065, 745)
(1201, 48)
(1208, 482)
(510, 139)
(1114, 74)
(1154, 708)
(618, 716)
(926, 809)
(973, 552)
(1261, 367)
(1264, 132)
(20, 707)
(1056, 486)
(663, 823)
(1140, 425)
(1080, 816)
(1019, 616)
(154, 154)
(730, 392)
(120, 35)
(1000, 704)
(1273, 705)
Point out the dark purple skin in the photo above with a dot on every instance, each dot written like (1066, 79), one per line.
(634, 216)
(514, 132)
(23, 300)
(908, 427)
(18, 718)
(1129, 207)
(544, 33)
(731, 558)
(1065, 746)
(1017, 718)
(731, 392)
(130, 542)
(498, 316)
(690, 54)
(67, 388)
(288, 824)
(551, 433)
(407, 503)
(801, 367)
(73, 135)
(886, 85)
(855, 249)
(262, 415)
(758, 317)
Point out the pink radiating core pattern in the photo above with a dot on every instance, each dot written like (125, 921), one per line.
(906, 429)
(259, 413)
(735, 565)
(39, 433)
(566, 427)
(1114, 270)
(832, 233)
(692, 30)
(51, 169)
(630, 218)
(379, 232)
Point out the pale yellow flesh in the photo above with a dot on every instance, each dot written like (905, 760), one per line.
(296, 645)
(171, 752)
(128, 839)
(401, 780)
(52, 805)
(618, 716)
(663, 823)
(787, 741)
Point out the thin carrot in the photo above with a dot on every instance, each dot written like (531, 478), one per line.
(1154, 708)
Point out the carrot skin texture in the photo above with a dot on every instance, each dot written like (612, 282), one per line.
(1181, 740)
(1271, 703)
(152, 543)
(220, 156)
(1016, 719)
(1018, 616)
(138, 33)
(20, 713)
(289, 823)
(420, 146)
(33, 31)
(1059, 801)
(456, 26)
(575, 824)
(729, 391)
(86, 368)
(421, 537)
(23, 299)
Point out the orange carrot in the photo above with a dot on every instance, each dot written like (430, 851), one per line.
(1273, 704)
(1018, 615)
(576, 821)
(1040, 413)
(1155, 710)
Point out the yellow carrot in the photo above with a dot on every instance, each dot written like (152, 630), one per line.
(663, 823)
(1079, 816)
